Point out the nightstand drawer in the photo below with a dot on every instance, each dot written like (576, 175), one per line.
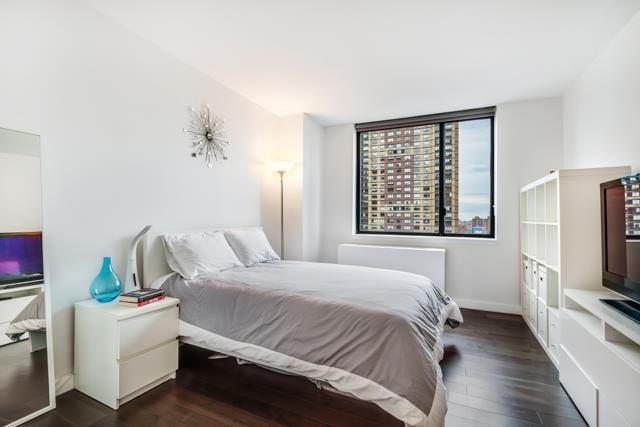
(148, 330)
(144, 369)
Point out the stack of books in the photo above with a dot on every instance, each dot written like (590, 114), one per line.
(141, 297)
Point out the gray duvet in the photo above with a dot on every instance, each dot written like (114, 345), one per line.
(30, 319)
(382, 325)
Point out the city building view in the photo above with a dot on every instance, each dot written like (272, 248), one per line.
(632, 207)
(399, 182)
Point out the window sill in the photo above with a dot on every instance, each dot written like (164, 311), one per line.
(382, 237)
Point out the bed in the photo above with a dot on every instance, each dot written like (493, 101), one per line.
(30, 320)
(370, 333)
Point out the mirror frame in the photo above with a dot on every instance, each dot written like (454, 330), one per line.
(47, 295)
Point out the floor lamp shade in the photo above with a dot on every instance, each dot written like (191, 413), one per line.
(281, 167)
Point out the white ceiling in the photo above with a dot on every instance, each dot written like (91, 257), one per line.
(357, 60)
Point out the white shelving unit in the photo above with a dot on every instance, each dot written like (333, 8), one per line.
(559, 245)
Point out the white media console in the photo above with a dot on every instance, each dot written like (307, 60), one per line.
(600, 359)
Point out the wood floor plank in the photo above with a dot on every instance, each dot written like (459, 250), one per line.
(508, 317)
(529, 393)
(524, 401)
(520, 413)
(259, 407)
(489, 417)
(452, 420)
(505, 374)
(499, 366)
(549, 390)
(456, 351)
(495, 371)
(556, 421)
(218, 411)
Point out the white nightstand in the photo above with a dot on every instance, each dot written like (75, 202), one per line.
(121, 352)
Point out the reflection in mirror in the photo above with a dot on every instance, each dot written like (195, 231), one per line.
(24, 378)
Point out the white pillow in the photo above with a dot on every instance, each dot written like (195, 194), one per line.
(251, 246)
(195, 253)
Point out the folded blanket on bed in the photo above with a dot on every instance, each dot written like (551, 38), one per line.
(381, 327)
(31, 318)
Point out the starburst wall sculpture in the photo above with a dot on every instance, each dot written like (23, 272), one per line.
(208, 137)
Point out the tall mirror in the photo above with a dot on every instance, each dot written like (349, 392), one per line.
(26, 388)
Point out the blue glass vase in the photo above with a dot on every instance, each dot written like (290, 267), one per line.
(106, 286)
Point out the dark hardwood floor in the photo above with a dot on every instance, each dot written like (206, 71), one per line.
(494, 369)
(24, 381)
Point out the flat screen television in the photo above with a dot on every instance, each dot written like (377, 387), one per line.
(620, 213)
(20, 259)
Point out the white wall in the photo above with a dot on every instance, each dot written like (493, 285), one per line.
(601, 107)
(313, 135)
(20, 193)
(290, 148)
(20, 185)
(480, 273)
(110, 109)
(300, 140)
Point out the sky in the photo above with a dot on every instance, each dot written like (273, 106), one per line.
(474, 168)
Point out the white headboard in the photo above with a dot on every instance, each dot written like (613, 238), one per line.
(154, 263)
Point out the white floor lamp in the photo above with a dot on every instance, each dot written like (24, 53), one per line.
(281, 168)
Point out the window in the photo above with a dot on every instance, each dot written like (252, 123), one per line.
(445, 182)
(632, 205)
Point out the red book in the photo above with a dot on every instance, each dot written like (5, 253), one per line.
(142, 303)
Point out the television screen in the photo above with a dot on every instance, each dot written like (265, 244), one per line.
(20, 258)
(621, 236)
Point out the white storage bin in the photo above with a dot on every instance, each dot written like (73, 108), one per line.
(542, 283)
(533, 309)
(524, 301)
(528, 277)
(542, 321)
(553, 333)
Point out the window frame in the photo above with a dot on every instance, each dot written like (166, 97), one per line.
(439, 119)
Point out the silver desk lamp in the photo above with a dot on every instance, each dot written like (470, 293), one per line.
(132, 280)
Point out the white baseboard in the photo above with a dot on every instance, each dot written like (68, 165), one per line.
(488, 306)
(64, 384)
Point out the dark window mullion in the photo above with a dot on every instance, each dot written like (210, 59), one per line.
(442, 211)
(359, 185)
